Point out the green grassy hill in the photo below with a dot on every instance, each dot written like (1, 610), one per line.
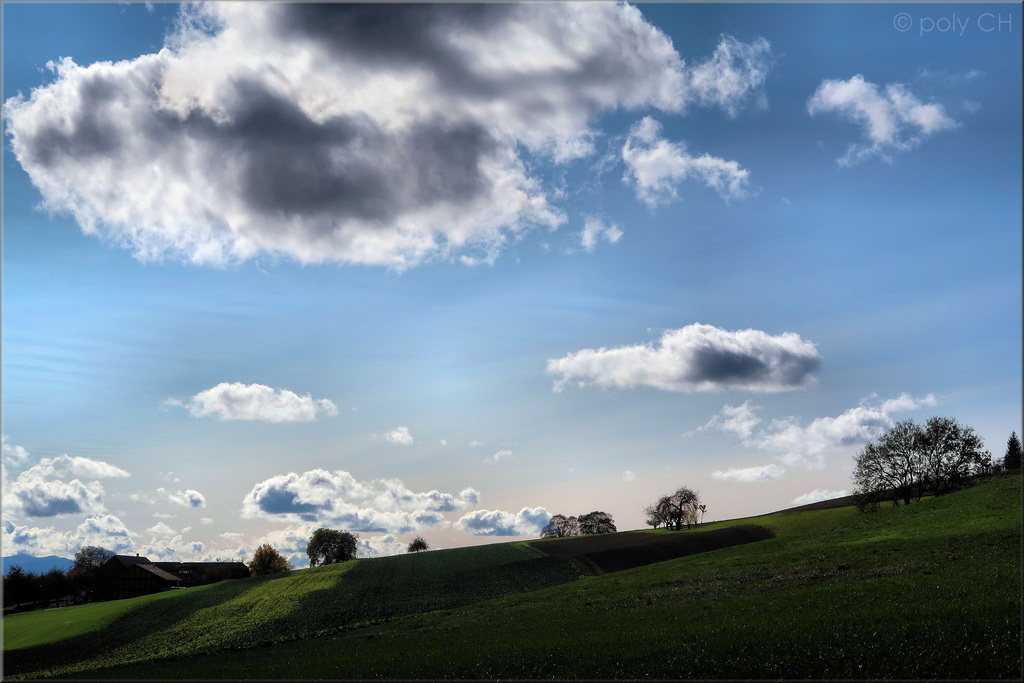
(932, 590)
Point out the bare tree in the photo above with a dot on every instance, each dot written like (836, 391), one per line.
(679, 508)
(561, 526)
(652, 517)
(909, 461)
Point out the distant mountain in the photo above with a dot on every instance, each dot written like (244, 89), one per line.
(37, 565)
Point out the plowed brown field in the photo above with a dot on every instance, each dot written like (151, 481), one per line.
(615, 552)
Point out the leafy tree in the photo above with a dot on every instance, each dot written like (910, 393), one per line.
(54, 585)
(1011, 460)
(328, 546)
(416, 545)
(91, 557)
(596, 522)
(950, 454)
(266, 560)
(89, 562)
(19, 586)
(561, 526)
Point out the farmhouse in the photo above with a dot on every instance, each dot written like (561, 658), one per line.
(127, 576)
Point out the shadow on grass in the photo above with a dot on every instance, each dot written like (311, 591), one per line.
(615, 552)
(136, 623)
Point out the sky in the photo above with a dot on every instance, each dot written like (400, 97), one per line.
(450, 270)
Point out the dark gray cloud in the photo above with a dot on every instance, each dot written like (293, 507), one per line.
(375, 134)
(696, 358)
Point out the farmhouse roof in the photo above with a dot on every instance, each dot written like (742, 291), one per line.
(128, 560)
(156, 571)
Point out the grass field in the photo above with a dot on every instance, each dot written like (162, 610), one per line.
(273, 609)
(603, 553)
(932, 590)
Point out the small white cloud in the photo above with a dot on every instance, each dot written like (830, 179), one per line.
(735, 73)
(818, 495)
(444, 442)
(493, 460)
(628, 475)
(656, 167)
(475, 444)
(594, 229)
(904, 402)
(256, 402)
(750, 474)
(892, 119)
(739, 420)
(12, 454)
(399, 436)
(189, 498)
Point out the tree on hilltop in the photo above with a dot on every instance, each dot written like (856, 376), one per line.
(652, 516)
(328, 546)
(417, 544)
(596, 522)
(561, 526)
(1011, 460)
(683, 506)
(908, 461)
(266, 560)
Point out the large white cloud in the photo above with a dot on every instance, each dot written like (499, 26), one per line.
(892, 119)
(526, 522)
(381, 505)
(237, 401)
(103, 530)
(363, 133)
(807, 445)
(656, 166)
(44, 490)
(696, 358)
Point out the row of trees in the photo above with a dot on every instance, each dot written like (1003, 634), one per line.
(326, 546)
(80, 580)
(674, 510)
(596, 522)
(909, 461)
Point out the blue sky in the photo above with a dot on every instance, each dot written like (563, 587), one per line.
(448, 271)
